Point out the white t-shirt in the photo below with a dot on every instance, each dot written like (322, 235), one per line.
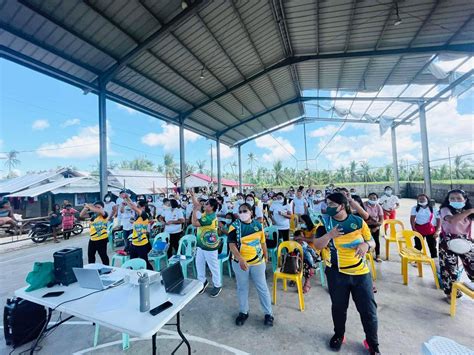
(173, 215)
(299, 204)
(236, 207)
(388, 202)
(282, 223)
(222, 212)
(126, 217)
(226, 199)
(108, 207)
(318, 207)
(258, 212)
(189, 210)
(424, 214)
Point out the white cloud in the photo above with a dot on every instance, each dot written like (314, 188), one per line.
(169, 138)
(39, 125)
(81, 146)
(326, 131)
(226, 152)
(129, 110)
(71, 122)
(287, 128)
(279, 148)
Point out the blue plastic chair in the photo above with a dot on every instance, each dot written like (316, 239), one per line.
(190, 230)
(224, 257)
(271, 233)
(122, 258)
(134, 264)
(156, 260)
(322, 276)
(186, 254)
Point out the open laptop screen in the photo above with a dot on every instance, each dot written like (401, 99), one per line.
(172, 275)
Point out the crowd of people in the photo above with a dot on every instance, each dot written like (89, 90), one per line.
(335, 228)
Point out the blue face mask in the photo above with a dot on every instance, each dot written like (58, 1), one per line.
(457, 205)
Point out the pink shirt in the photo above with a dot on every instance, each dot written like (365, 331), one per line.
(464, 227)
(68, 218)
(374, 211)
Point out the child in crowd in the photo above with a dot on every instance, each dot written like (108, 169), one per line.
(374, 221)
(424, 219)
(68, 220)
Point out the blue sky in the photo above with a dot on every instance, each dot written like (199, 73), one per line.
(53, 124)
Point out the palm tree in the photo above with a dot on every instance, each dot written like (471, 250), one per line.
(189, 168)
(251, 158)
(201, 164)
(277, 172)
(171, 169)
(352, 171)
(141, 164)
(12, 160)
(459, 166)
(341, 174)
(365, 170)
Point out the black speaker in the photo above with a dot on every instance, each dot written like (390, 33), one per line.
(22, 321)
(64, 261)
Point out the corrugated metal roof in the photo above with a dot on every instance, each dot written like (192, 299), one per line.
(250, 53)
(140, 182)
(48, 187)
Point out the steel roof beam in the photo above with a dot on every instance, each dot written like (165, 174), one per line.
(467, 48)
(150, 40)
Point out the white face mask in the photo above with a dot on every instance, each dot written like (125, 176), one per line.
(423, 204)
(107, 199)
(250, 202)
(319, 195)
(388, 192)
(240, 200)
(279, 200)
(372, 202)
(245, 217)
(227, 221)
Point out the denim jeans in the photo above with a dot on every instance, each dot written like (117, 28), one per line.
(341, 286)
(257, 274)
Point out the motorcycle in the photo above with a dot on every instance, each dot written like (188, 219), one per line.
(43, 230)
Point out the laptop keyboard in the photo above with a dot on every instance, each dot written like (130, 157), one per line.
(107, 282)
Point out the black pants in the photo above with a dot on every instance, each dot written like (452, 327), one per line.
(99, 246)
(125, 235)
(376, 236)
(431, 241)
(341, 286)
(174, 243)
(142, 253)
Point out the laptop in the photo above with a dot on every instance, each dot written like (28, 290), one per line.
(90, 278)
(173, 279)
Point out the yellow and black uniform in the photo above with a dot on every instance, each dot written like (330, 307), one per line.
(207, 237)
(341, 251)
(249, 238)
(99, 238)
(140, 245)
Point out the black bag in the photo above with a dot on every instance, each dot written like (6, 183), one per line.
(22, 321)
(291, 263)
(64, 261)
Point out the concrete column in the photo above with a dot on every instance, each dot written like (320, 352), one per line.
(239, 150)
(102, 143)
(182, 165)
(219, 173)
(425, 150)
(396, 177)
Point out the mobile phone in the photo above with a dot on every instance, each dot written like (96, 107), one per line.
(53, 294)
(105, 271)
(160, 308)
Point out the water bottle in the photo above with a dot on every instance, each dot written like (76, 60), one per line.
(144, 284)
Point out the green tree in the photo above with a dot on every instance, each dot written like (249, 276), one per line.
(278, 173)
(170, 166)
(12, 161)
(251, 158)
(141, 164)
(201, 164)
(353, 171)
(459, 166)
(365, 170)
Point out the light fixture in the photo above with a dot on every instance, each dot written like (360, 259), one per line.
(242, 111)
(202, 74)
(398, 21)
(184, 4)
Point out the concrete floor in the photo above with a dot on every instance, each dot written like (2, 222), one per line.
(408, 315)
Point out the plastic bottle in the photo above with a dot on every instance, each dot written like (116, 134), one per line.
(144, 284)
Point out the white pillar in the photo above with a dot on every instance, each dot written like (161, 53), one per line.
(239, 150)
(182, 165)
(219, 175)
(102, 143)
(425, 150)
(396, 177)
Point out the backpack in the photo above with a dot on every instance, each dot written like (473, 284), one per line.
(291, 263)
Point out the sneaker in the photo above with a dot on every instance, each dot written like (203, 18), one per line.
(204, 287)
(268, 320)
(378, 259)
(336, 342)
(216, 291)
(241, 318)
(372, 351)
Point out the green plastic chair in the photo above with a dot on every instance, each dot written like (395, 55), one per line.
(224, 257)
(134, 264)
(271, 233)
(190, 230)
(122, 258)
(156, 260)
(186, 254)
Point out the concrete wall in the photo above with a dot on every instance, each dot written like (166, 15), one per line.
(439, 191)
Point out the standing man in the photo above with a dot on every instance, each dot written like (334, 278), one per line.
(207, 243)
(300, 206)
(389, 203)
(126, 217)
(98, 231)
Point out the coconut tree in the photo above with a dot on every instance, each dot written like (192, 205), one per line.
(171, 169)
(12, 160)
(201, 164)
(459, 166)
(278, 173)
(251, 158)
(352, 171)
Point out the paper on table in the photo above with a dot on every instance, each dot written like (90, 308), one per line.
(114, 298)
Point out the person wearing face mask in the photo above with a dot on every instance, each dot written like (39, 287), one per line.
(187, 209)
(109, 205)
(389, 203)
(280, 214)
(68, 217)
(207, 251)
(425, 220)
(318, 204)
(98, 231)
(140, 246)
(126, 216)
(457, 214)
(344, 240)
(222, 209)
(249, 254)
(174, 220)
(239, 201)
(151, 206)
(225, 223)
(300, 206)
(256, 210)
(374, 221)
